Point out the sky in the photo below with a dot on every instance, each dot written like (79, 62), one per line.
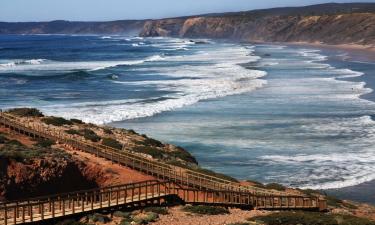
(105, 10)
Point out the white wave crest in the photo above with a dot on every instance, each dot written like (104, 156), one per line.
(58, 66)
(20, 62)
(220, 76)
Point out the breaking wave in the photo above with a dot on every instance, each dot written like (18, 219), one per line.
(220, 76)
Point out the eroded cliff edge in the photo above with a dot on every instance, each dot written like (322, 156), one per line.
(327, 23)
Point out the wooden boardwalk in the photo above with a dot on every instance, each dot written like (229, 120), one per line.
(190, 186)
(138, 194)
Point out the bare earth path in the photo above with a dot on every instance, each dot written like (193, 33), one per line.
(114, 174)
(177, 216)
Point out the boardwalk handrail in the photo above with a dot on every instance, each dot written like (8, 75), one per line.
(160, 170)
(102, 189)
(60, 205)
(86, 201)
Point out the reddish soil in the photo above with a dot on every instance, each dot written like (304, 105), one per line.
(107, 173)
(178, 216)
(14, 136)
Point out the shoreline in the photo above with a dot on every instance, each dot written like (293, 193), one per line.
(355, 51)
(362, 192)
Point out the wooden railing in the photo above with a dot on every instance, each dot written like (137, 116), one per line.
(61, 205)
(157, 169)
(141, 193)
(186, 178)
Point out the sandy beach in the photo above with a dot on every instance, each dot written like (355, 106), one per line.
(357, 52)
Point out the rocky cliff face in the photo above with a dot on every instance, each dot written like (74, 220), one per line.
(42, 177)
(358, 28)
(330, 24)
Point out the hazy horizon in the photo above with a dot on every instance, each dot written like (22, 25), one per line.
(86, 10)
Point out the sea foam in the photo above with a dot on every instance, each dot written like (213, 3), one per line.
(220, 76)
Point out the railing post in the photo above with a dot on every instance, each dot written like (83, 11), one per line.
(63, 207)
(53, 209)
(73, 205)
(5, 214)
(23, 214)
(92, 200)
(31, 212)
(42, 208)
(83, 202)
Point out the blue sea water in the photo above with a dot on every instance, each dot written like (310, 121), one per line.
(294, 115)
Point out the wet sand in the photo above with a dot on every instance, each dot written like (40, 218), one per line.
(365, 53)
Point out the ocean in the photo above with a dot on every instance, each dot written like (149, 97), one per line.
(294, 115)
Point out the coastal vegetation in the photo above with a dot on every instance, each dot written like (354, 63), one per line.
(26, 112)
(309, 218)
(198, 169)
(90, 135)
(206, 210)
(15, 150)
(108, 136)
(110, 142)
(56, 121)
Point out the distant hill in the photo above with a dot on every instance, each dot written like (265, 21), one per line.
(330, 23)
(67, 27)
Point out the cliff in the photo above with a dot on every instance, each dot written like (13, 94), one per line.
(30, 168)
(348, 23)
(327, 23)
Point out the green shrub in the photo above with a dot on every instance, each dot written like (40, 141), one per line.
(150, 142)
(184, 155)
(56, 121)
(131, 131)
(158, 210)
(19, 152)
(353, 220)
(275, 186)
(256, 183)
(70, 222)
(122, 214)
(14, 142)
(310, 192)
(153, 142)
(26, 112)
(90, 135)
(77, 121)
(73, 132)
(45, 143)
(97, 217)
(125, 222)
(349, 205)
(338, 203)
(214, 174)
(146, 219)
(107, 131)
(112, 143)
(296, 218)
(154, 152)
(239, 224)
(23, 153)
(3, 139)
(206, 210)
(202, 170)
(333, 201)
(151, 217)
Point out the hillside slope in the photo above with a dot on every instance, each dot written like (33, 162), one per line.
(129, 27)
(332, 23)
(328, 23)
